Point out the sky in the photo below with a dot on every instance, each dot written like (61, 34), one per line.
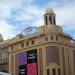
(16, 15)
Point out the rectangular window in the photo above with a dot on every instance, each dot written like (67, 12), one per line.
(12, 47)
(52, 54)
(54, 20)
(50, 19)
(46, 38)
(48, 72)
(22, 45)
(63, 60)
(59, 71)
(46, 20)
(32, 42)
(51, 37)
(27, 43)
(56, 38)
(54, 72)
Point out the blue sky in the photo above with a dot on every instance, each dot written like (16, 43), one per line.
(16, 15)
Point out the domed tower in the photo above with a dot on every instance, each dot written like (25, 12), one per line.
(50, 22)
(49, 17)
(1, 38)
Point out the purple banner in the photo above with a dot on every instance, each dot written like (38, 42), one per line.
(22, 58)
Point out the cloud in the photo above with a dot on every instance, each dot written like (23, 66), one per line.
(15, 15)
(7, 30)
(65, 12)
(65, 15)
(6, 6)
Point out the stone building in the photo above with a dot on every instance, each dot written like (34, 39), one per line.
(48, 51)
(4, 54)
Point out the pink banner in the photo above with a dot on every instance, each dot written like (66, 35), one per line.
(32, 69)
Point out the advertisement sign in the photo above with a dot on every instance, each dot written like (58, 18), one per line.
(22, 58)
(31, 56)
(32, 69)
(23, 70)
(27, 62)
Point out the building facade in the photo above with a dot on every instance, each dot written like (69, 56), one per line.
(4, 54)
(49, 51)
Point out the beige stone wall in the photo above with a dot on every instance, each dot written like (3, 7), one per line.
(47, 35)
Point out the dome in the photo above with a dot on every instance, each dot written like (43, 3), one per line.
(54, 29)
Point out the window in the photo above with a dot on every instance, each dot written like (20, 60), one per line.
(27, 43)
(56, 38)
(22, 45)
(59, 71)
(69, 70)
(51, 37)
(54, 20)
(12, 47)
(50, 19)
(46, 20)
(48, 72)
(46, 38)
(32, 42)
(54, 72)
(62, 48)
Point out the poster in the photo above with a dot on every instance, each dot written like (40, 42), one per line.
(32, 69)
(23, 70)
(32, 56)
(27, 62)
(22, 58)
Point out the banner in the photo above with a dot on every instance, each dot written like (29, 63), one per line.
(23, 70)
(27, 62)
(32, 56)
